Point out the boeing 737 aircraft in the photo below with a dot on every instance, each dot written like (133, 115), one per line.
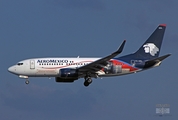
(71, 69)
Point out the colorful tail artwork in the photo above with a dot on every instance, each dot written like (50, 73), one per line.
(148, 54)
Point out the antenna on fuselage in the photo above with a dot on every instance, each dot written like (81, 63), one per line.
(78, 56)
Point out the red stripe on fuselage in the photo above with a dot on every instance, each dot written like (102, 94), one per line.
(124, 65)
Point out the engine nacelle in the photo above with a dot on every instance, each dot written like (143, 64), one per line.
(68, 73)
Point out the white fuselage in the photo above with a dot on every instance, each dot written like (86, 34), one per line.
(49, 67)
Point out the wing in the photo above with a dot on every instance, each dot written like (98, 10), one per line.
(97, 65)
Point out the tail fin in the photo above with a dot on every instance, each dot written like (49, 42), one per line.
(151, 48)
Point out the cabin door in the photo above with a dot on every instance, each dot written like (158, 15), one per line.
(32, 64)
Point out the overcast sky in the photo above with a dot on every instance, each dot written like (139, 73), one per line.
(86, 28)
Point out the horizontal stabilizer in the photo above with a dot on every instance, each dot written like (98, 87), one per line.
(156, 60)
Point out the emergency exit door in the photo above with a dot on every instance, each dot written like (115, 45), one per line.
(32, 64)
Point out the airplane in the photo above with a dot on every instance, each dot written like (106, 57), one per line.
(71, 69)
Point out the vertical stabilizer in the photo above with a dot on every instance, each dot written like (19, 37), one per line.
(151, 48)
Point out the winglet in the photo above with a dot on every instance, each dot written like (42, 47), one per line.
(121, 47)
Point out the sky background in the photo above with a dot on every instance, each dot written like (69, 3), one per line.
(86, 28)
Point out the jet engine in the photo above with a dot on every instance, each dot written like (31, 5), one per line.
(67, 75)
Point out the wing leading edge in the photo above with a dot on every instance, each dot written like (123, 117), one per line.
(99, 64)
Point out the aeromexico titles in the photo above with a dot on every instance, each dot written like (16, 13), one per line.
(72, 69)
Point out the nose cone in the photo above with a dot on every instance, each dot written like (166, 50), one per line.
(11, 69)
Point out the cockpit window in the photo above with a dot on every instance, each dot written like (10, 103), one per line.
(19, 63)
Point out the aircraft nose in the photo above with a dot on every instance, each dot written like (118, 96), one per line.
(11, 69)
